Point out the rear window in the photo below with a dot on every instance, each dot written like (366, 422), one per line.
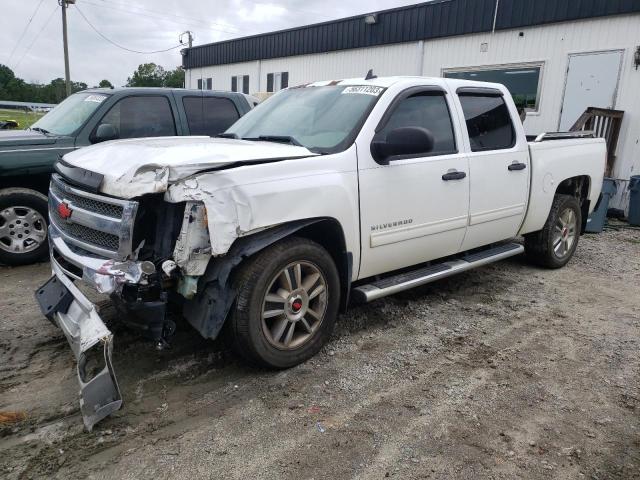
(488, 122)
(209, 115)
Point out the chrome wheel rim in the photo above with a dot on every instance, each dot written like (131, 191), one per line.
(294, 305)
(22, 229)
(564, 233)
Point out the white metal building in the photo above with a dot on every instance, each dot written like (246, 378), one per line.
(557, 57)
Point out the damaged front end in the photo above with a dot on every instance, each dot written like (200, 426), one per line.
(67, 308)
(91, 239)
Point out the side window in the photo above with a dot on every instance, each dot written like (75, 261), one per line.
(488, 122)
(428, 110)
(218, 115)
(209, 116)
(144, 116)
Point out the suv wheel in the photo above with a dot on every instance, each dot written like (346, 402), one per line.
(23, 226)
(287, 303)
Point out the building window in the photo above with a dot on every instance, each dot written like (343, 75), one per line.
(277, 81)
(199, 84)
(523, 81)
(209, 83)
(240, 83)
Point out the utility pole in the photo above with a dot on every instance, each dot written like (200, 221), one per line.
(65, 4)
(189, 34)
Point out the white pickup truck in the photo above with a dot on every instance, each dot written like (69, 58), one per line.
(349, 188)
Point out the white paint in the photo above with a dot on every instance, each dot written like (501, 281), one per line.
(434, 218)
(592, 81)
(559, 160)
(549, 44)
(147, 165)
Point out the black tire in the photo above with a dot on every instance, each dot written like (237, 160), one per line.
(540, 246)
(251, 336)
(19, 202)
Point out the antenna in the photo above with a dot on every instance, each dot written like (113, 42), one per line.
(370, 75)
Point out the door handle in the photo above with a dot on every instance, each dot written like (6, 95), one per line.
(453, 176)
(517, 166)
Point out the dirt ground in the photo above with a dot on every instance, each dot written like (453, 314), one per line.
(508, 371)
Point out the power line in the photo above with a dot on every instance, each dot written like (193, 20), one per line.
(36, 38)
(158, 16)
(200, 20)
(35, 12)
(117, 44)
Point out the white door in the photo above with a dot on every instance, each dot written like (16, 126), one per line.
(499, 169)
(592, 81)
(415, 208)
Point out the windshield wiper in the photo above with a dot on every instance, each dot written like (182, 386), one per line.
(276, 138)
(41, 130)
(227, 135)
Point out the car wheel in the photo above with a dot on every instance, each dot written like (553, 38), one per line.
(287, 303)
(23, 226)
(555, 244)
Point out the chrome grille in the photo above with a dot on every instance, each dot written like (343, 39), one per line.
(94, 237)
(110, 210)
(97, 223)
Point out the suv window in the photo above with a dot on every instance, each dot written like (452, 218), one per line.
(209, 115)
(428, 110)
(488, 122)
(142, 116)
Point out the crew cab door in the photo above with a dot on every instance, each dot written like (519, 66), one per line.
(498, 165)
(208, 114)
(138, 116)
(414, 208)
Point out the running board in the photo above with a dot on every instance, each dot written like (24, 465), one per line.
(404, 281)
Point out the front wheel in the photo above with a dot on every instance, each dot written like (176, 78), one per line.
(555, 244)
(23, 226)
(287, 303)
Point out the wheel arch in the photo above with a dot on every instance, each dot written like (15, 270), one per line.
(208, 310)
(579, 187)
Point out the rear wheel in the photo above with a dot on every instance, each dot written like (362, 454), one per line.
(287, 304)
(555, 244)
(23, 226)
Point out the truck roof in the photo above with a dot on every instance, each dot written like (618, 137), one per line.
(386, 82)
(134, 90)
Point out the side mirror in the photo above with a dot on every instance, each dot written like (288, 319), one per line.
(402, 141)
(105, 132)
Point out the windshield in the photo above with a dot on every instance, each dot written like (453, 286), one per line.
(323, 119)
(70, 115)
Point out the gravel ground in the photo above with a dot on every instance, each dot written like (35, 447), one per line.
(508, 371)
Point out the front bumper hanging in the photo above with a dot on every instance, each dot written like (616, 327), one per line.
(66, 307)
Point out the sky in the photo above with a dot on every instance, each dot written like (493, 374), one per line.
(31, 31)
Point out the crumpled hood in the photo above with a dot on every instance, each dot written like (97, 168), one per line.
(139, 166)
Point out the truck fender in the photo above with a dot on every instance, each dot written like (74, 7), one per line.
(208, 310)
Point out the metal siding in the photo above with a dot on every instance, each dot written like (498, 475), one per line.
(522, 13)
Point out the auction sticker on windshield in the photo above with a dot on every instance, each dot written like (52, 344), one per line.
(95, 98)
(363, 89)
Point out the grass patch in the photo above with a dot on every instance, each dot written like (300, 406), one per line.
(25, 119)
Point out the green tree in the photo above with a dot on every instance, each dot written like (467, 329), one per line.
(14, 88)
(174, 78)
(105, 84)
(147, 75)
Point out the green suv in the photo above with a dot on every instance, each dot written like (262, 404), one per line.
(85, 118)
